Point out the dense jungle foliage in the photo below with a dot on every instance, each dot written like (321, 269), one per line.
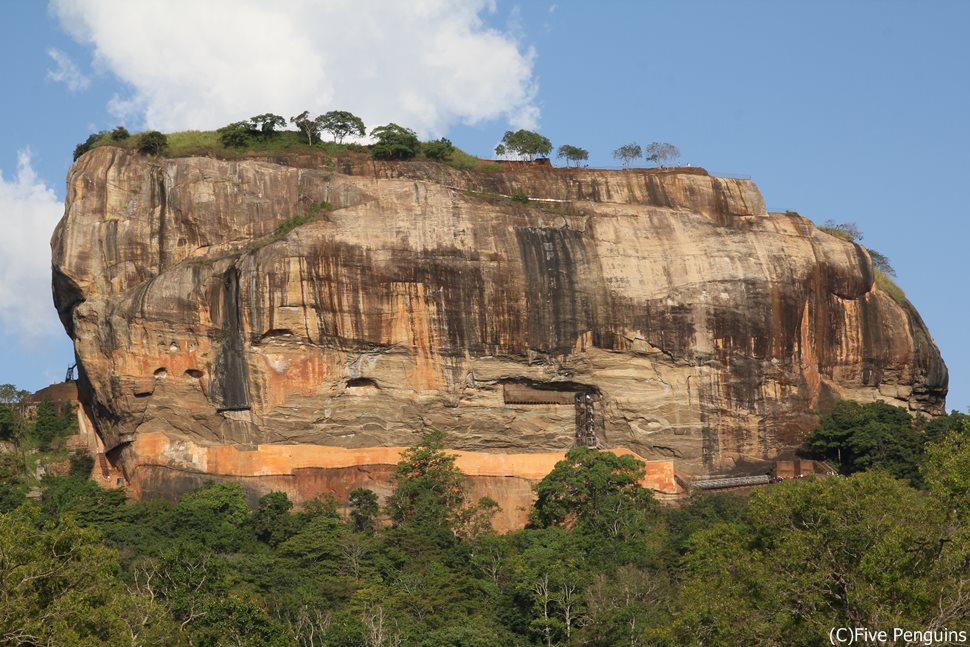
(601, 562)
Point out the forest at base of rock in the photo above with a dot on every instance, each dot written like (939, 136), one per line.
(887, 544)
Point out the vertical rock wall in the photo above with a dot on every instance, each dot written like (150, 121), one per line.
(711, 332)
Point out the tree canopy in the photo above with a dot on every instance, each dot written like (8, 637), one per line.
(308, 126)
(572, 153)
(857, 437)
(600, 564)
(88, 143)
(59, 588)
(266, 124)
(10, 394)
(662, 152)
(524, 143)
(584, 485)
(236, 135)
(12, 423)
(947, 467)
(438, 150)
(394, 142)
(818, 554)
(152, 143)
(628, 153)
(341, 123)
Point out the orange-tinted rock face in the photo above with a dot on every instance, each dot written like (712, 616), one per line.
(665, 313)
(167, 467)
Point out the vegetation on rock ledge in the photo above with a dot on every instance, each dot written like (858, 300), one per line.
(264, 135)
(311, 214)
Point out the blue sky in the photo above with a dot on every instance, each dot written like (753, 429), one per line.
(851, 111)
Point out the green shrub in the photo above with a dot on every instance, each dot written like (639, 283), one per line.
(236, 135)
(459, 159)
(266, 124)
(152, 143)
(887, 285)
(847, 231)
(438, 150)
(120, 133)
(334, 149)
(88, 143)
(290, 224)
(394, 143)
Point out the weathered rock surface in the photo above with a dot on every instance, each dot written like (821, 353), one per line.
(662, 312)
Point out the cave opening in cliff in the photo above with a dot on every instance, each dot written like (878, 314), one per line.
(276, 332)
(362, 384)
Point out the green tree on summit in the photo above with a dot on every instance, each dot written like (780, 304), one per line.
(439, 149)
(627, 153)
(572, 154)
(394, 142)
(152, 143)
(266, 124)
(10, 394)
(340, 124)
(661, 152)
(88, 143)
(309, 127)
(524, 143)
(238, 134)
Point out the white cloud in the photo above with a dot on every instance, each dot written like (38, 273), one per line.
(67, 72)
(29, 210)
(426, 64)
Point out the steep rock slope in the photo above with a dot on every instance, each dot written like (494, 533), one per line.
(662, 312)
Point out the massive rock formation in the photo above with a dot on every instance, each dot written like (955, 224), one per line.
(665, 312)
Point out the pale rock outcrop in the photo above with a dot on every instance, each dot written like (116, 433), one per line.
(664, 312)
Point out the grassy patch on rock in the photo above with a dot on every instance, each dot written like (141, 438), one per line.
(311, 214)
(888, 286)
(188, 143)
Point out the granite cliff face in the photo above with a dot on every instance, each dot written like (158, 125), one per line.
(666, 313)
